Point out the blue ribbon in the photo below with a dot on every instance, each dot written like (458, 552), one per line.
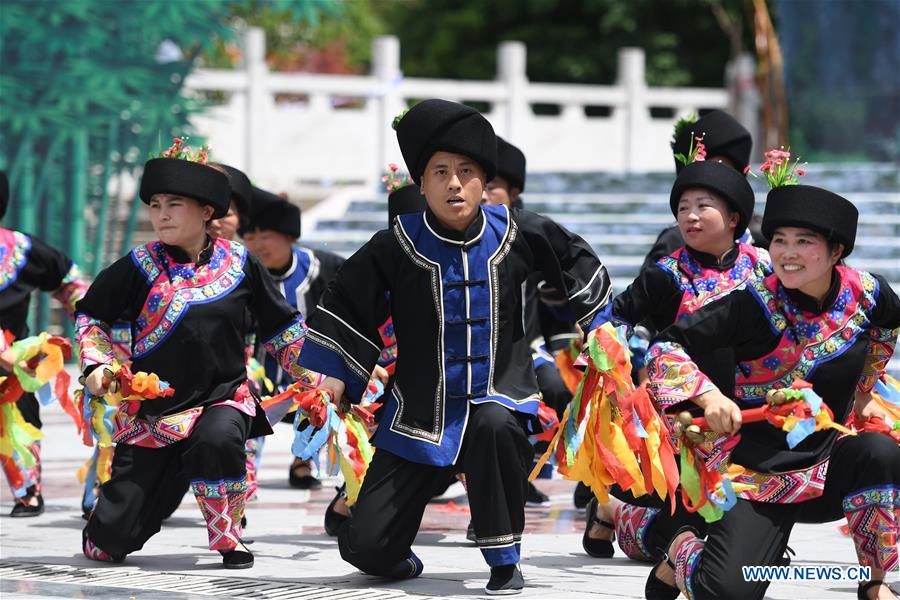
(802, 430)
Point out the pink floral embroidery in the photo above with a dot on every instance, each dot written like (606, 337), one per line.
(674, 377)
(873, 517)
(72, 289)
(806, 340)
(92, 336)
(169, 299)
(222, 504)
(14, 247)
(701, 285)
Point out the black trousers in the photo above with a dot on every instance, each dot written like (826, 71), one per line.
(553, 389)
(495, 457)
(147, 484)
(30, 408)
(861, 485)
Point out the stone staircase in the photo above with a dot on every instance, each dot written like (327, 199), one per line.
(621, 226)
(621, 217)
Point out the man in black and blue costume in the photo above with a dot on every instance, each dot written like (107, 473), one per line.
(464, 395)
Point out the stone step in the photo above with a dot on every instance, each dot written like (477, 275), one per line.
(378, 219)
(866, 202)
(881, 251)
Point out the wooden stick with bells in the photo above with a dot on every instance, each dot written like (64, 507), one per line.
(690, 428)
(110, 380)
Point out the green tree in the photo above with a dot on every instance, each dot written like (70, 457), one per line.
(567, 40)
(327, 36)
(87, 89)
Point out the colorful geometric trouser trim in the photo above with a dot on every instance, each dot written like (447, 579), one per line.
(687, 559)
(873, 516)
(15, 470)
(222, 504)
(93, 552)
(632, 523)
(253, 449)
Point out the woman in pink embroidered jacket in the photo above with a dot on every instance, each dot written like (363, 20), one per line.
(28, 264)
(191, 301)
(813, 319)
(713, 204)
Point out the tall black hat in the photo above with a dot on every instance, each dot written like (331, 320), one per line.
(721, 179)
(510, 164)
(273, 213)
(407, 199)
(241, 190)
(722, 136)
(185, 178)
(440, 125)
(810, 207)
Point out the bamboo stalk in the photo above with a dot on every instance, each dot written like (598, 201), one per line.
(13, 173)
(130, 226)
(78, 195)
(24, 202)
(46, 176)
(100, 238)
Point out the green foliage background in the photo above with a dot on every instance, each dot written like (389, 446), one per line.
(83, 97)
(572, 41)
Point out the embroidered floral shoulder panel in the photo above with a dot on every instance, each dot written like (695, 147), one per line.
(701, 285)
(14, 247)
(806, 340)
(175, 287)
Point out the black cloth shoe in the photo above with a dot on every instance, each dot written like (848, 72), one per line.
(470, 533)
(302, 482)
(237, 559)
(863, 589)
(656, 588)
(536, 497)
(593, 546)
(406, 569)
(334, 519)
(785, 561)
(582, 495)
(505, 581)
(22, 509)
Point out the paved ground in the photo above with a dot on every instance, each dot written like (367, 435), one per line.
(41, 557)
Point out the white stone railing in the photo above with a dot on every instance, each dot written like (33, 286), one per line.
(338, 126)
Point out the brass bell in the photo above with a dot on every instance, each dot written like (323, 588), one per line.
(81, 380)
(113, 386)
(776, 397)
(694, 435)
(108, 373)
(685, 419)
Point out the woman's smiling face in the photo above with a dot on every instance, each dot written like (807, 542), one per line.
(802, 259)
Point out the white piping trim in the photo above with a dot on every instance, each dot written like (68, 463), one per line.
(590, 281)
(504, 240)
(435, 271)
(465, 257)
(457, 242)
(347, 325)
(344, 354)
(290, 270)
(311, 274)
